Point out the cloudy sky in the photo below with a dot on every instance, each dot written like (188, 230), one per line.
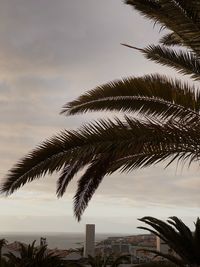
(51, 52)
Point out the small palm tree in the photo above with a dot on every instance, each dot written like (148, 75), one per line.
(178, 237)
(31, 256)
(168, 127)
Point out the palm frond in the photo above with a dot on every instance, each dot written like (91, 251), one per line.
(107, 163)
(88, 184)
(186, 235)
(105, 144)
(148, 95)
(186, 25)
(161, 229)
(67, 175)
(183, 61)
(181, 227)
(177, 235)
(191, 8)
(196, 239)
(51, 156)
(171, 39)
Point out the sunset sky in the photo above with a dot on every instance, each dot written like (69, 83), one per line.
(50, 53)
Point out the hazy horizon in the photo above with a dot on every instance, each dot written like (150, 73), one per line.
(71, 233)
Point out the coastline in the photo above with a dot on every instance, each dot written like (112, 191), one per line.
(54, 239)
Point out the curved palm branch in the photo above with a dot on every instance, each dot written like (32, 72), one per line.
(148, 95)
(184, 62)
(105, 146)
(178, 237)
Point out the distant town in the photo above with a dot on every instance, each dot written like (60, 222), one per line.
(133, 246)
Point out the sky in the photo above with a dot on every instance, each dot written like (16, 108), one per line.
(50, 53)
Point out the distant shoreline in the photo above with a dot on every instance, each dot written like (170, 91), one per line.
(78, 233)
(54, 239)
(58, 239)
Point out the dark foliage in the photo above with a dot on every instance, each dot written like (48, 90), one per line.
(31, 256)
(184, 243)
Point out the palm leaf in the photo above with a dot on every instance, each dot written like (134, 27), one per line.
(184, 62)
(196, 239)
(177, 235)
(181, 227)
(144, 142)
(171, 39)
(185, 25)
(110, 162)
(186, 235)
(148, 95)
(88, 184)
(67, 174)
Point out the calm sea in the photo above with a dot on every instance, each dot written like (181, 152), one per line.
(54, 240)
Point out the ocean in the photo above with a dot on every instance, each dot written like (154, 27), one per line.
(54, 240)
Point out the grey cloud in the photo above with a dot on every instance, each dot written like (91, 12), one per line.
(50, 38)
(155, 185)
(40, 224)
(50, 53)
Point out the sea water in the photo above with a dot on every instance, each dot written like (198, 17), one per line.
(54, 240)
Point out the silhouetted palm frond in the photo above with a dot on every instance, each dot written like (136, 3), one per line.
(171, 39)
(178, 237)
(31, 256)
(181, 17)
(135, 144)
(184, 62)
(148, 95)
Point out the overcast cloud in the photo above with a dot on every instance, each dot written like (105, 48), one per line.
(51, 52)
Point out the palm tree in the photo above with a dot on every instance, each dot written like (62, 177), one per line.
(168, 127)
(178, 237)
(31, 256)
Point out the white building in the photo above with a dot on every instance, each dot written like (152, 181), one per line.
(89, 246)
